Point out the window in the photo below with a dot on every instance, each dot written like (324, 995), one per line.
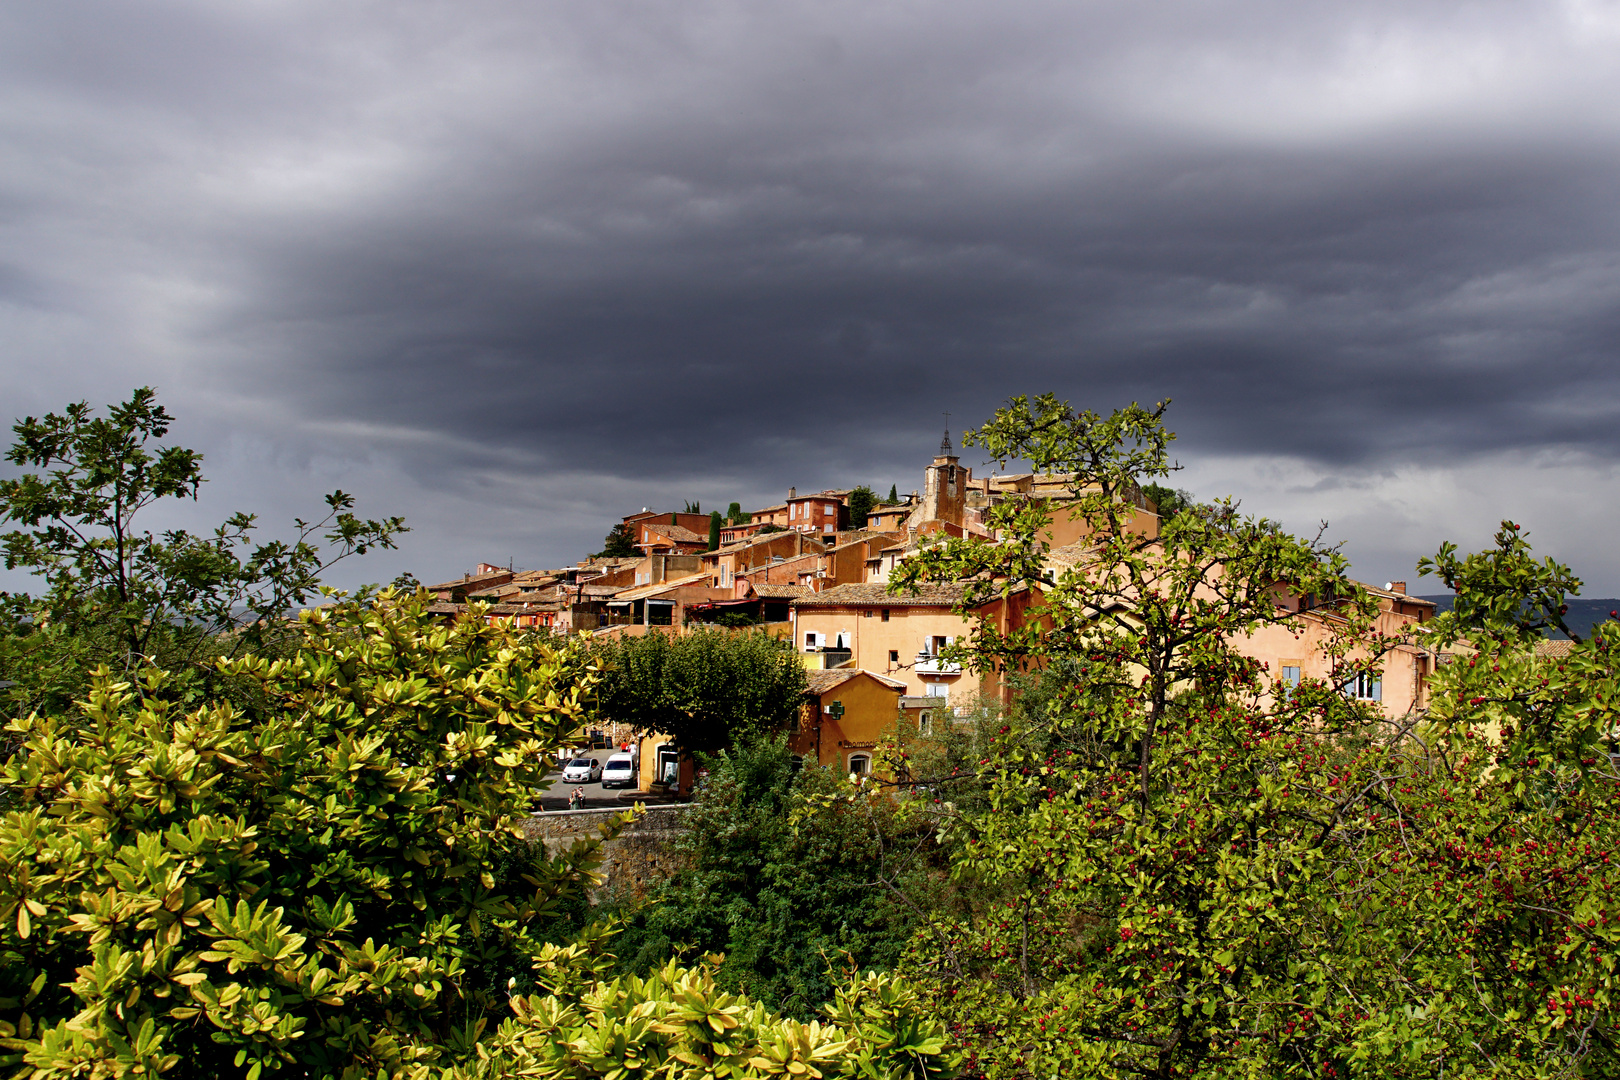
(937, 689)
(885, 614)
(860, 764)
(842, 641)
(660, 613)
(811, 641)
(1290, 675)
(1365, 687)
(925, 722)
(894, 656)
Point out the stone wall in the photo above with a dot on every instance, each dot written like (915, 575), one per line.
(638, 858)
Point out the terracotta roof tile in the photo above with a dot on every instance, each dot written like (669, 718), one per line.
(873, 595)
(678, 533)
(641, 592)
(467, 582)
(832, 678)
(781, 592)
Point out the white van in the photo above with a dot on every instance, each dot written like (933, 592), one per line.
(620, 771)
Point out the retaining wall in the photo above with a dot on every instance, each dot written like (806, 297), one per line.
(639, 857)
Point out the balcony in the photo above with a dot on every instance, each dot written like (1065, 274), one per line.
(928, 664)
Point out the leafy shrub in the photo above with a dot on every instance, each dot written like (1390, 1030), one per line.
(335, 886)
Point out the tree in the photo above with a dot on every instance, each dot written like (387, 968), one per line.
(339, 887)
(619, 543)
(894, 497)
(1188, 869)
(779, 879)
(691, 508)
(735, 515)
(861, 501)
(714, 530)
(1169, 501)
(116, 592)
(705, 688)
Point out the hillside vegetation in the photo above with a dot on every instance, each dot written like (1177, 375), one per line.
(294, 848)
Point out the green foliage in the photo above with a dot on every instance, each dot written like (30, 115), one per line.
(680, 1024)
(735, 515)
(314, 887)
(1169, 501)
(705, 688)
(1505, 591)
(714, 530)
(619, 543)
(894, 497)
(788, 882)
(340, 887)
(861, 501)
(691, 508)
(1188, 870)
(118, 593)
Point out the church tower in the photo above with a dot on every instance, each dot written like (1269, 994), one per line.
(945, 486)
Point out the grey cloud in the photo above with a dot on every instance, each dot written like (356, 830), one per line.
(654, 249)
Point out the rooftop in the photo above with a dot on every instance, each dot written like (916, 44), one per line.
(873, 595)
(832, 678)
(641, 592)
(782, 592)
(678, 533)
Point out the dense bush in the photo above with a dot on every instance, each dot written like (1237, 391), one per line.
(790, 882)
(337, 885)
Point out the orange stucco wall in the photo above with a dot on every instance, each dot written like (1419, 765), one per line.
(1300, 643)
(907, 629)
(871, 710)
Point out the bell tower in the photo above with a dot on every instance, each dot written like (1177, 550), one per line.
(945, 486)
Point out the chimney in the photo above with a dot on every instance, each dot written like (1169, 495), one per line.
(793, 493)
(1396, 587)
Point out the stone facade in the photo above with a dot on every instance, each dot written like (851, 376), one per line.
(638, 858)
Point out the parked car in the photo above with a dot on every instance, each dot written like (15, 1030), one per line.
(582, 770)
(620, 771)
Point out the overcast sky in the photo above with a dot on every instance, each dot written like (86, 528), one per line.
(515, 269)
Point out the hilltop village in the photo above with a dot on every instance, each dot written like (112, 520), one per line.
(807, 571)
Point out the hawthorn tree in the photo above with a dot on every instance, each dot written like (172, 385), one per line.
(1188, 869)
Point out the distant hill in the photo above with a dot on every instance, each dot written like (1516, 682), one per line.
(1583, 614)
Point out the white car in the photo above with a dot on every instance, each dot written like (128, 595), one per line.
(620, 771)
(582, 770)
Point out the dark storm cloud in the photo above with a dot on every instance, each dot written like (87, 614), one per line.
(640, 245)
